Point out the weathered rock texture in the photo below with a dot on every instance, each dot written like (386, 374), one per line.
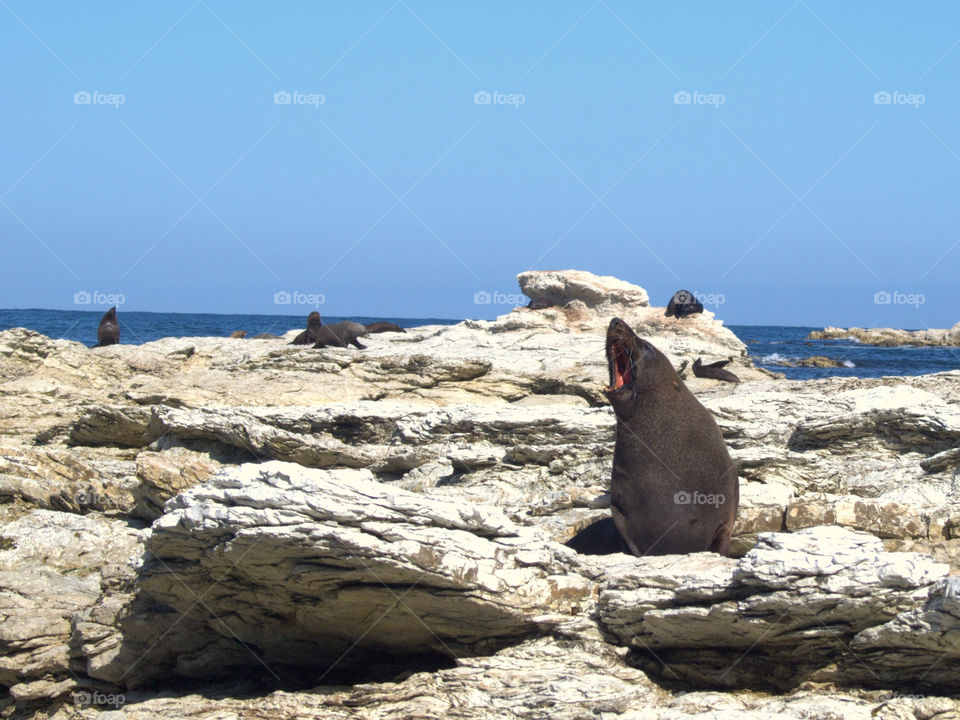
(205, 527)
(934, 337)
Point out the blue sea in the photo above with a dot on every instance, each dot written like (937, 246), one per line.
(768, 345)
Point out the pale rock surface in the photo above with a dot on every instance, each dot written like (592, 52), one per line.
(933, 337)
(449, 461)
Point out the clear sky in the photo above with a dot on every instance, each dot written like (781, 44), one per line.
(790, 159)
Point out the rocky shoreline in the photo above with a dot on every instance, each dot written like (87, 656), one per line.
(890, 337)
(226, 528)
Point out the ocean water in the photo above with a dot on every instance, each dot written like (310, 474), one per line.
(767, 345)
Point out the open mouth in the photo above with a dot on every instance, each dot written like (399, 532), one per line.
(621, 365)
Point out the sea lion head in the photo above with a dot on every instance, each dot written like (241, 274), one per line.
(111, 314)
(636, 367)
(314, 321)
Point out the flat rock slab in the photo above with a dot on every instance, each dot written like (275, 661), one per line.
(316, 568)
(794, 604)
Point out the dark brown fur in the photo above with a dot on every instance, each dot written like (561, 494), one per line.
(682, 304)
(714, 370)
(348, 331)
(326, 337)
(108, 333)
(309, 336)
(669, 459)
(382, 327)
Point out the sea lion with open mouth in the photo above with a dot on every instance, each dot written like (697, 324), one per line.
(674, 487)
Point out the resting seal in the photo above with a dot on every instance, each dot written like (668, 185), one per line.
(238, 334)
(682, 304)
(326, 337)
(109, 331)
(674, 487)
(309, 336)
(540, 303)
(348, 331)
(382, 327)
(714, 370)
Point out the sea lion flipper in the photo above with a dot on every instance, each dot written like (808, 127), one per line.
(721, 540)
(623, 527)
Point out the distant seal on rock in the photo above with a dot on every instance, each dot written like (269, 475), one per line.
(682, 304)
(348, 331)
(714, 370)
(674, 487)
(309, 336)
(540, 303)
(108, 333)
(238, 334)
(382, 327)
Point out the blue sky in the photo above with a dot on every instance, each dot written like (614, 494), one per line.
(741, 151)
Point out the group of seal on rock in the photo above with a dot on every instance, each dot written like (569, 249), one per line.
(339, 334)
(674, 488)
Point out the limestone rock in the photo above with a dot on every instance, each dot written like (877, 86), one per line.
(919, 648)
(51, 568)
(598, 293)
(790, 606)
(317, 567)
(889, 337)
